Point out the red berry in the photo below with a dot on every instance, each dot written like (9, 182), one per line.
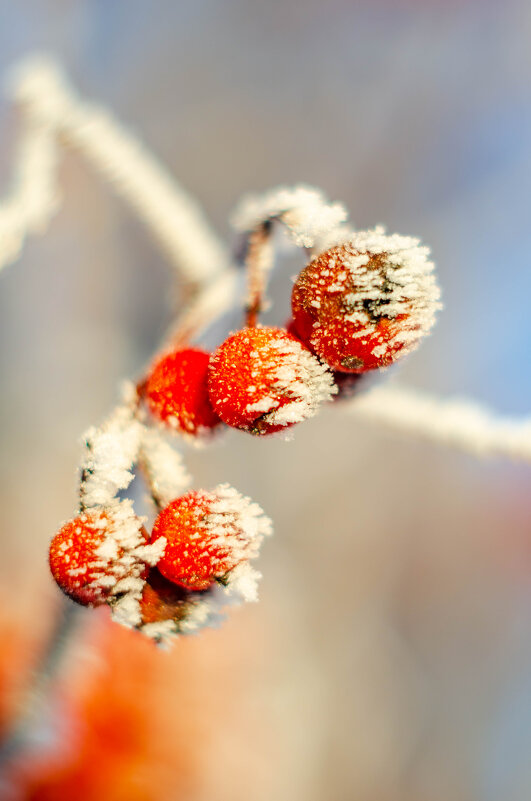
(176, 392)
(88, 557)
(207, 535)
(363, 304)
(264, 380)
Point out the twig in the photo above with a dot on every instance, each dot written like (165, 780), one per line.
(259, 263)
(175, 220)
(459, 423)
(33, 199)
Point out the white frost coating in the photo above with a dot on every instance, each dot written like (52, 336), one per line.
(305, 212)
(385, 276)
(53, 108)
(199, 614)
(110, 453)
(235, 523)
(163, 632)
(126, 610)
(120, 559)
(298, 375)
(242, 583)
(164, 467)
(151, 554)
(235, 526)
(336, 236)
(458, 423)
(34, 197)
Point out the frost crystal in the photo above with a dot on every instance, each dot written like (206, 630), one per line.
(299, 375)
(164, 467)
(110, 452)
(242, 583)
(404, 285)
(235, 523)
(121, 557)
(305, 212)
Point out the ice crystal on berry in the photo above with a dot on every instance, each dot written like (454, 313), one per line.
(163, 466)
(263, 380)
(207, 535)
(97, 554)
(363, 304)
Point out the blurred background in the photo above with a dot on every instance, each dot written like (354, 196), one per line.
(389, 657)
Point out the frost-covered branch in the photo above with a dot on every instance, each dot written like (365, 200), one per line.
(51, 107)
(306, 213)
(33, 199)
(309, 219)
(459, 423)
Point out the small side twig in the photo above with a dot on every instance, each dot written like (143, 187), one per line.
(259, 263)
(175, 219)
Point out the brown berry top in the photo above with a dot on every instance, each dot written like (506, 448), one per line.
(176, 392)
(263, 380)
(363, 304)
(208, 534)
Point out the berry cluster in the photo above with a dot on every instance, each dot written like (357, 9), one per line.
(363, 301)
(160, 583)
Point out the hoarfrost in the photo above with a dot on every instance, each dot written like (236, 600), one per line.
(305, 212)
(164, 467)
(110, 453)
(298, 375)
(388, 276)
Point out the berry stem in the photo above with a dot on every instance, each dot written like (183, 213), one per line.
(258, 263)
(149, 480)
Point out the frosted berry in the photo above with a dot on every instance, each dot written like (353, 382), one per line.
(176, 392)
(263, 380)
(363, 304)
(207, 535)
(87, 559)
(162, 599)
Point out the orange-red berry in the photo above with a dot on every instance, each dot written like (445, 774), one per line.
(363, 304)
(87, 559)
(176, 392)
(207, 535)
(264, 380)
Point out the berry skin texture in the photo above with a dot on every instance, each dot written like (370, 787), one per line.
(362, 305)
(176, 392)
(348, 384)
(207, 535)
(84, 558)
(263, 380)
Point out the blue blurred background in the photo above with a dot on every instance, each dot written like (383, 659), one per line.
(394, 621)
